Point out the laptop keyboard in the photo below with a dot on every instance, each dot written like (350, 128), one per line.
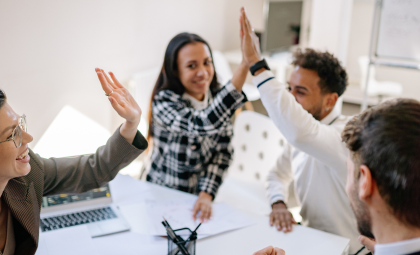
(78, 218)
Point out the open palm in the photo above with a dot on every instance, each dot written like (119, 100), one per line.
(121, 100)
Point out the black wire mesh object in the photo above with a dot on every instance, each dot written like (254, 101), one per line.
(187, 239)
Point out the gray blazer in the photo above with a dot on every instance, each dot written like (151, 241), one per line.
(77, 174)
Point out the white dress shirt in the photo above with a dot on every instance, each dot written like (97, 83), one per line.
(398, 248)
(315, 158)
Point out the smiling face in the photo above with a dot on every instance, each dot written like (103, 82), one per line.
(304, 86)
(14, 162)
(195, 69)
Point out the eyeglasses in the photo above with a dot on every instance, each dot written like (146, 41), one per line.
(16, 136)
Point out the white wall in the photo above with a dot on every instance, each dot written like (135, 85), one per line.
(330, 26)
(254, 9)
(49, 48)
(359, 40)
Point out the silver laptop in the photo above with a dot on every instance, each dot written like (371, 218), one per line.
(93, 208)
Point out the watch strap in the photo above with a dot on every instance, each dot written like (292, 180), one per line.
(257, 66)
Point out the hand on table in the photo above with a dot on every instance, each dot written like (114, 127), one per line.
(203, 204)
(369, 243)
(122, 102)
(250, 45)
(270, 250)
(282, 218)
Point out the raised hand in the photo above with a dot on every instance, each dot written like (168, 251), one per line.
(250, 45)
(122, 102)
(270, 250)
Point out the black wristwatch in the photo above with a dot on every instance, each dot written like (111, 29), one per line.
(257, 66)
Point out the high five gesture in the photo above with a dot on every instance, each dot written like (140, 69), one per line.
(122, 102)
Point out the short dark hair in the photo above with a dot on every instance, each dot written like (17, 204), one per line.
(386, 139)
(2, 98)
(333, 77)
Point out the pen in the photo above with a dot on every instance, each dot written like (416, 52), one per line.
(172, 234)
(197, 228)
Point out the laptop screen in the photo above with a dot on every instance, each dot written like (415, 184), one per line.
(63, 199)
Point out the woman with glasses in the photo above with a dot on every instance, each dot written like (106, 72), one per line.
(25, 177)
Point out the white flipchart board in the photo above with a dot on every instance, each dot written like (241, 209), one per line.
(399, 30)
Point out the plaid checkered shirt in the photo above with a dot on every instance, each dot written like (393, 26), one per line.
(191, 148)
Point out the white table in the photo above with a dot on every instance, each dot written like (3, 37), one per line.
(302, 240)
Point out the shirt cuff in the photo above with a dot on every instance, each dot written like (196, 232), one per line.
(140, 142)
(233, 91)
(210, 189)
(238, 96)
(276, 198)
(262, 78)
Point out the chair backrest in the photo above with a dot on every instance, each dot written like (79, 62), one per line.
(142, 84)
(257, 143)
(224, 73)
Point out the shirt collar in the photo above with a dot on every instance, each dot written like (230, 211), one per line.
(331, 116)
(198, 105)
(402, 247)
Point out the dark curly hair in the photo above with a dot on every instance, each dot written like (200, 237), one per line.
(386, 139)
(2, 98)
(333, 77)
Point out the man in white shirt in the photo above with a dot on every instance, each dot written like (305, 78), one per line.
(315, 157)
(383, 176)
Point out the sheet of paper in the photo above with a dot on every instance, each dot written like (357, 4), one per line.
(130, 243)
(125, 190)
(137, 216)
(66, 241)
(179, 215)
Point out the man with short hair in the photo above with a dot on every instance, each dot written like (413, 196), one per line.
(315, 157)
(383, 181)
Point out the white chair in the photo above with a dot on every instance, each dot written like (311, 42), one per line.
(141, 85)
(257, 143)
(377, 88)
